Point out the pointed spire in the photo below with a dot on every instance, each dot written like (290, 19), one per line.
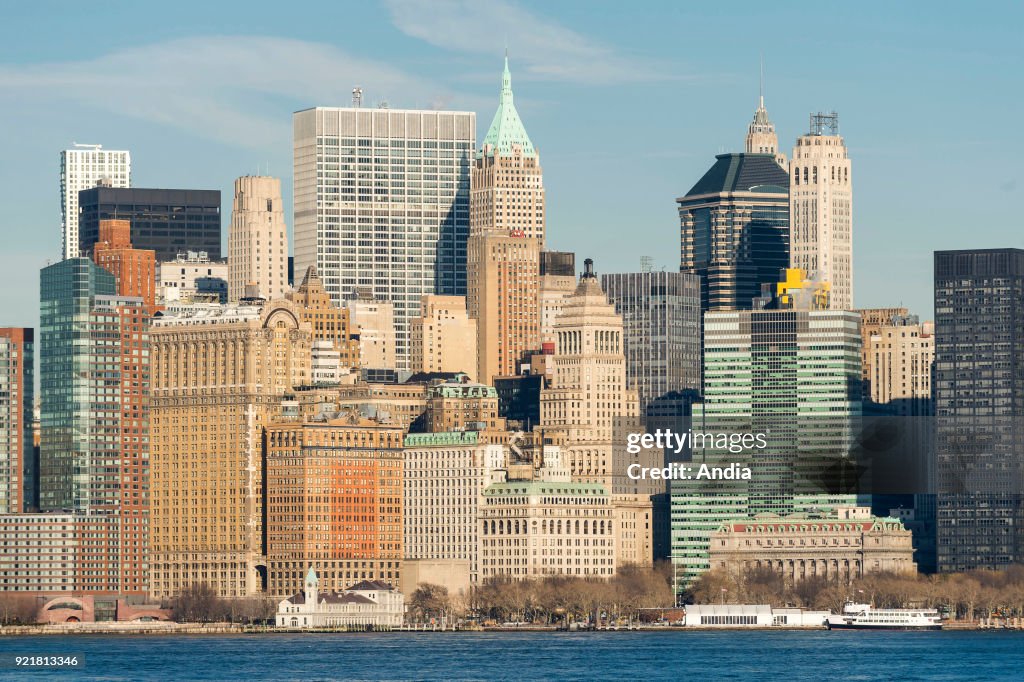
(507, 132)
(761, 89)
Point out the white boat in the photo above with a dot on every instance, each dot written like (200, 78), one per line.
(867, 617)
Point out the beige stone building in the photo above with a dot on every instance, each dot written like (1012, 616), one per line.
(443, 337)
(821, 209)
(845, 546)
(900, 357)
(373, 323)
(445, 475)
(327, 321)
(547, 526)
(589, 408)
(257, 239)
(506, 237)
(218, 374)
(761, 137)
(871, 320)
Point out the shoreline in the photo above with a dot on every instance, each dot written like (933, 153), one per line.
(219, 629)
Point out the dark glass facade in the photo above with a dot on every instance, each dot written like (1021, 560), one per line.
(979, 401)
(734, 229)
(168, 221)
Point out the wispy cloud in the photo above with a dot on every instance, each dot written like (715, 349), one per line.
(546, 50)
(235, 89)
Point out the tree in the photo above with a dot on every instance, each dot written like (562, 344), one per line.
(198, 603)
(17, 609)
(430, 601)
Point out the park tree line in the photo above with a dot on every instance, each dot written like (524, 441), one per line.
(963, 596)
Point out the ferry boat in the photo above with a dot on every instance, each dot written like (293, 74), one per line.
(866, 617)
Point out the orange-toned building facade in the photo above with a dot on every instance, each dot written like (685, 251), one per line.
(134, 269)
(334, 501)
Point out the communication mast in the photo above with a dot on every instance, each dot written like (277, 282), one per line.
(357, 97)
(825, 124)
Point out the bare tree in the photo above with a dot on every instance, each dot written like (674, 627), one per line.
(17, 609)
(198, 603)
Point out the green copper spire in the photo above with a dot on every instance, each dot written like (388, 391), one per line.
(507, 129)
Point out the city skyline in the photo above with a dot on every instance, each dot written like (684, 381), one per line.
(599, 76)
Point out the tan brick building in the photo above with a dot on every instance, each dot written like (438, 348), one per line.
(327, 321)
(218, 374)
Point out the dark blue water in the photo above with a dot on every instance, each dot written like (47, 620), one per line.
(776, 655)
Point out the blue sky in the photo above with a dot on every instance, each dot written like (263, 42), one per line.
(627, 104)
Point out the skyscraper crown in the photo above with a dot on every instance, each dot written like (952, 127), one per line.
(507, 130)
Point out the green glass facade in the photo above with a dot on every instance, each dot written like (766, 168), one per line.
(793, 376)
(68, 292)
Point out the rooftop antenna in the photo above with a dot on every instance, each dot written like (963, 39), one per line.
(762, 80)
(357, 97)
(646, 264)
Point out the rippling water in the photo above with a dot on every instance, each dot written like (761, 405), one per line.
(731, 655)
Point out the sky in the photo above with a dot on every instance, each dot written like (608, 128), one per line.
(627, 103)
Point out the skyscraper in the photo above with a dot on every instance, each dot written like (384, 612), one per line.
(791, 375)
(821, 209)
(257, 239)
(382, 201)
(328, 322)
(661, 330)
(734, 229)
(17, 391)
(84, 167)
(588, 408)
(167, 221)
(979, 401)
(94, 454)
(506, 237)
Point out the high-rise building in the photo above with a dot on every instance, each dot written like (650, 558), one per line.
(791, 375)
(445, 474)
(134, 269)
(167, 221)
(327, 321)
(68, 293)
(979, 394)
(871, 321)
(373, 322)
(94, 454)
(557, 283)
(334, 499)
(503, 297)
(257, 239)
(219, 373)
(84, 167)
(382, 201)
(506, 237)
(444, 337)
(899, 366)
(734, 229)
(17, 393)
(589, 409)
(661, 330)
(821, 209)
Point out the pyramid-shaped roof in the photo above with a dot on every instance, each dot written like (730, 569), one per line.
(507, 130)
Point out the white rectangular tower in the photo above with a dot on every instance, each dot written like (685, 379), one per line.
(821, 209)
(84, 167)
(381, 201)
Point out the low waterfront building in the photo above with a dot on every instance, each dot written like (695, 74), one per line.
(752, 616)
(58, 552)
(368, 603)
(844, 546)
